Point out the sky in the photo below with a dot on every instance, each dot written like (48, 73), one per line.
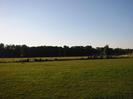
(67, 22)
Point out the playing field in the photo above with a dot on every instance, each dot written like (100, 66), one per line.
(76, 79)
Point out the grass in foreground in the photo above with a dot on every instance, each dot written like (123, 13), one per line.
(80, 79)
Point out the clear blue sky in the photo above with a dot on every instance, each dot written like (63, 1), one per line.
(67, 22)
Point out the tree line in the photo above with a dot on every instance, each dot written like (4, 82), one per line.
(56, 51)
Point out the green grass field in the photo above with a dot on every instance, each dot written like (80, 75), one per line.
(77, 79)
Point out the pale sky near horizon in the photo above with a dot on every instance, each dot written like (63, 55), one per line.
(67, 22)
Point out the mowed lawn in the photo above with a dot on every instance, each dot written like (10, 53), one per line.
(77, 79)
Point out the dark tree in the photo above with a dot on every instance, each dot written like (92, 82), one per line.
(55, 51)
